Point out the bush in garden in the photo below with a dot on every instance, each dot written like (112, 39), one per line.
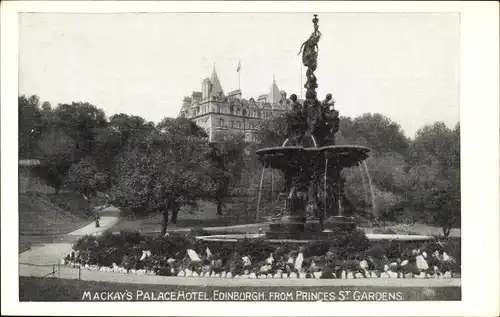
(394, 250)
(258, 249)
(349, 243)
(316, 248)
(85, 242)
(132, 237)
(377, 251)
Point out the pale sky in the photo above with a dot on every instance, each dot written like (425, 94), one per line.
(403, 65)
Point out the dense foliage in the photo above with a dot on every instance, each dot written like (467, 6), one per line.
(150, 168)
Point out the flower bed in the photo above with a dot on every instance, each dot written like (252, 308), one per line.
(349, 254)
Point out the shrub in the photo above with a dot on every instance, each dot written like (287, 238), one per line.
(85, 242)
(377, 251)
(394, 250)
(259, 249)
(132, 237)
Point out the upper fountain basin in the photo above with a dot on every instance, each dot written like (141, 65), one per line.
(297, 156)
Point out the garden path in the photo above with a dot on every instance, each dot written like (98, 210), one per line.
(109, 217)
(52, 253)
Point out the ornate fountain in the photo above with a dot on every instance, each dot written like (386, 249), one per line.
(312, 163)
(315, 203)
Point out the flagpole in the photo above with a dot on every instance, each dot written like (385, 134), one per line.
(239, 71)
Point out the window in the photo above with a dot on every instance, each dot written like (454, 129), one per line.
(218, 108)
(231, 109)
(232, 124)
(221, 122)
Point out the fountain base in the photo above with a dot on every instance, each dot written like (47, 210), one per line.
(312, 229)
(339, 223)
(288, 227)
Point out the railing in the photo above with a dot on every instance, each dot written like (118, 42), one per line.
(43, 268)
(50, 270)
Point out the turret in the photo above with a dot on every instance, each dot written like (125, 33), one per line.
(206, 87)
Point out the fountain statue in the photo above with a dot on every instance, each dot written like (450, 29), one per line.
(315, 203)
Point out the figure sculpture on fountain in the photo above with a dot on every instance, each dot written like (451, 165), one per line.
(309, 50)
(331, 118)
(296, 122)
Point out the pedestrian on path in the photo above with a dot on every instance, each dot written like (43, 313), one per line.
(96, 218)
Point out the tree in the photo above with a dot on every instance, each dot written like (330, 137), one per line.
(56, 154)
(273, 132)
(434, 173)
(31, 125)
(381, 133)
(128, 130)
(80, 121)
(85, 177)
(68, 135)
(227, 164)
(121, 133)
(168, 169)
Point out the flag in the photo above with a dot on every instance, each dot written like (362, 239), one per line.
(239, 66)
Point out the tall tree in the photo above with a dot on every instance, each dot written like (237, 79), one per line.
(227, 163)
(128, 130)
(381, 133)
(80, 121)
(86, 178)
(434, 172)
(56, 154)
(165, 171)
(31, 125)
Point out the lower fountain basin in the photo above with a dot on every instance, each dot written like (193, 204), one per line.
(370, 236)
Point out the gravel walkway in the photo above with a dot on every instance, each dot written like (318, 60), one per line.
(109, 217)
(52, 253)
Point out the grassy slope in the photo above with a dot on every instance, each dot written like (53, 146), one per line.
(40, 215)
(44, 218)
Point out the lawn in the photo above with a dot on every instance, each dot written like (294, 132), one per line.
(54, 289)
(233, 214)
(203, 216)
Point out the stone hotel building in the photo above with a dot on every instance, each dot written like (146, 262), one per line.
(221, 114)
